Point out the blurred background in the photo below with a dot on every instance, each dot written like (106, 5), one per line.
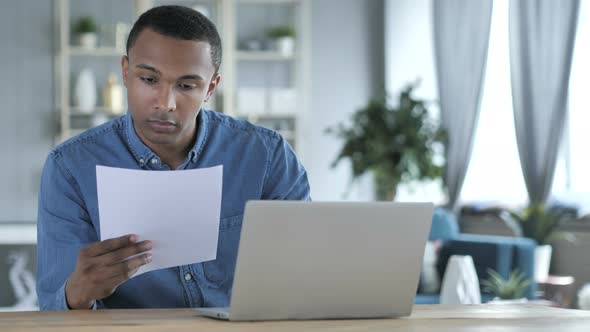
(479, 107)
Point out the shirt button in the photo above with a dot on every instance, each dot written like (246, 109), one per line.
(154, 161)
(188, 277)
(141, 161)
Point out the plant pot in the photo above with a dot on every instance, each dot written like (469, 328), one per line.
(498, 300)
(285, 45)
(542, 261)
(385, 186)
(87, 40)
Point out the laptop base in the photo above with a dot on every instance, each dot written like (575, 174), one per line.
(217, 313)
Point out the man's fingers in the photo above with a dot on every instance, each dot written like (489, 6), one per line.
(124, 253)
(103, 247)
(128, 268)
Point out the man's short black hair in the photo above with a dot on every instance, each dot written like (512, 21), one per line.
(179, 22)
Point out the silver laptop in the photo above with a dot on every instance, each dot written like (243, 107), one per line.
(327, 260)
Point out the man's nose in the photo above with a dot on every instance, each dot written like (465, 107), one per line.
(166, 99)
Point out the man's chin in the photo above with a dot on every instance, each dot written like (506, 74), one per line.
(161, 138)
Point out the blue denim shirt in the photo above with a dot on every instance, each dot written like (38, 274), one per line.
(257, 164)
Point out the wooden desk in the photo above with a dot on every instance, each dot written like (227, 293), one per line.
(497, 317)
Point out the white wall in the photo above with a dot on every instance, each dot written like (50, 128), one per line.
(409, 49)
(409, 56)
(27, 125)
(347, 69)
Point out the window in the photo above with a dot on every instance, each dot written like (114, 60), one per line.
(494, 172)
(572, 178)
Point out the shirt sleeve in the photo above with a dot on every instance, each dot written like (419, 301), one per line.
(286, 178)
(63, 228)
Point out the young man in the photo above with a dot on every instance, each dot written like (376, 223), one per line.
(171, 68)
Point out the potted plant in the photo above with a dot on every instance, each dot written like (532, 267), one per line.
(542, 225)
(511, 289)
(283, 37)
(397, 144)
(85, 28)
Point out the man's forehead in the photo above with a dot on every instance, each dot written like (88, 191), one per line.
(150, 43)
(171, 56)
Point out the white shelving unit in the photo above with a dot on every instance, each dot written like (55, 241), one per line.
(263, 56)
(268, 70)
(264, 69)
(65, 53)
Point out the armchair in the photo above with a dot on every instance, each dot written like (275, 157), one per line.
(501, 253)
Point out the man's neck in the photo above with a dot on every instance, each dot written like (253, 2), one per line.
(172, 156)
(175, 154)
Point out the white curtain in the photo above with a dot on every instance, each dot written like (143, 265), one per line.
(542, 34)
(461, 36)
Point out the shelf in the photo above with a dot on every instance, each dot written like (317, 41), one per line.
(263, 56)
(99, 51)
(236, 20)
(18, 233)
(267, 2)
(75, 112)
(265, 115)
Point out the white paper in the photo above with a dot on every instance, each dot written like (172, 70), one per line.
(178, 211)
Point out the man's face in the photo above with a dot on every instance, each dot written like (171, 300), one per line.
(167, 81)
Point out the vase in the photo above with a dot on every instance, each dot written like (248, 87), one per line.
(460, 284)
(497, 300)
(113, 96)
(285, 45)
(542, 261)
(85, 91)
(87, 40)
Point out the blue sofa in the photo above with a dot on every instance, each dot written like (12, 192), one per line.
(500, 253)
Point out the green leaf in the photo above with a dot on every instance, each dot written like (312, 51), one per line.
(399, 141)
(513, 288)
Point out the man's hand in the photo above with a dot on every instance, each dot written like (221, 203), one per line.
(102, 267)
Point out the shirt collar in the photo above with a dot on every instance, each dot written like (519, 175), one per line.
(142, 153)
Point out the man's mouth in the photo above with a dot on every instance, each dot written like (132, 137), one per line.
(161, 125)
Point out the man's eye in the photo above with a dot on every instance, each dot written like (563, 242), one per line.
(187, 86)
(148, 80)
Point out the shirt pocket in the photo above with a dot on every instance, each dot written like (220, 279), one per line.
(221, 270)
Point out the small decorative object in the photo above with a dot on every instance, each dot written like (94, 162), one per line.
(460, 284)
(113, 96)
(17, 272)
(85, 91)
(284, 39)
(85, 28)
(397, 144)
(541, 224)
(429, 277)
(511, 289)
(584, 297)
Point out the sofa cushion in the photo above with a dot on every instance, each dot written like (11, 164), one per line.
(444, 225)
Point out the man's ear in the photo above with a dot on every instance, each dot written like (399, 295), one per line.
(124, 68)
(212, 85)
